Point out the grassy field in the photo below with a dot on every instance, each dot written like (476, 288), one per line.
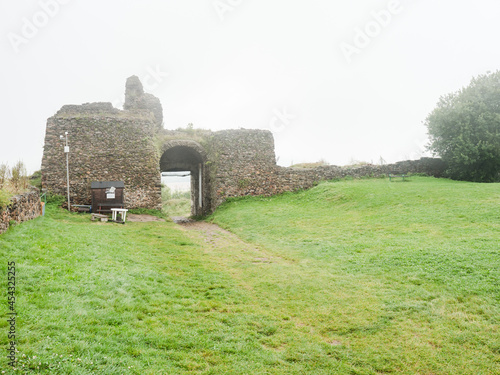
(351, 277)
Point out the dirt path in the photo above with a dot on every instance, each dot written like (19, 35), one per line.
(211, 232)
(142, 218)
(217, 238)
(220, 238)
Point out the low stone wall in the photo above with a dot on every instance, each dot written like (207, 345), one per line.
(277, 180)
(298, 179)
(22, 208)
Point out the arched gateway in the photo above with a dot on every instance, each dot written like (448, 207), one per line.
(188, 155)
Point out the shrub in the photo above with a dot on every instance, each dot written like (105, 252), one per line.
(464, 130)
(4, 199)
(4, 175)
(36, 179)
(177, 203)
(19, 177)
(167, 194)
(55, 199)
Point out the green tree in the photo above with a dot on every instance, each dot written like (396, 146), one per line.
(464, 130)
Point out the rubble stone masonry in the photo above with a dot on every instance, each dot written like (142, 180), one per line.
(106, 144)
(21, 208)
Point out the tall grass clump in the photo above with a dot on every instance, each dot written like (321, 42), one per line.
(4, 175)
(4, 199)
(19, 177)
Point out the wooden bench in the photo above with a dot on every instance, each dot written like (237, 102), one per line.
(397, 175)
(83, 207)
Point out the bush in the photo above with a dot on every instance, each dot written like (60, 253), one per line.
(4, 175)
(55, 199)
(36, 179)
(19, 177)
(167, 194)
(4, 199)
(177, 203)
(465, 130)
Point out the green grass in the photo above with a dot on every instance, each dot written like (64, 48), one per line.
(147, 211)
(97, 298)
(351, 277)
(404, 274)
(177, 207)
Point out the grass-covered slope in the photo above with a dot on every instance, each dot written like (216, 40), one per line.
(405, 275)
(351, 277)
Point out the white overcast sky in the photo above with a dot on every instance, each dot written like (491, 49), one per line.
(268, 64)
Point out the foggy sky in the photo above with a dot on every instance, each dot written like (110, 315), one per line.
(334, 80)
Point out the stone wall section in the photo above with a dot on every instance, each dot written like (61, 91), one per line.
(241, 163)
(106, 144)
(139, 101)
(292, 179)
(21, 208)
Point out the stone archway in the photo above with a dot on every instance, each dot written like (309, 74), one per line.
(187, 155)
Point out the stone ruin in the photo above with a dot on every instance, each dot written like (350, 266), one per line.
(131, 145)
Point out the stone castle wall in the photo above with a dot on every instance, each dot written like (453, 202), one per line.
(108, 144)
(243, 162)
(240, 162)
(245, 165)
(21, 208)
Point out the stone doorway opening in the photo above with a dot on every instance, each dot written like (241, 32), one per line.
(182, 157)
